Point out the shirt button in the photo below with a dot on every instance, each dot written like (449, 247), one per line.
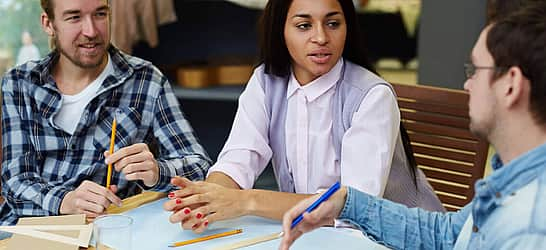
(498, 194)
(474, 229)
(73, 147)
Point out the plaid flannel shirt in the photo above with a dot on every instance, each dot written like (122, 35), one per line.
(41, 162)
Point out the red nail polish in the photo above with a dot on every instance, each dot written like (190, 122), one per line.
(206, 223)
(178, 201)
(171, 195)
(199, 215)
(187, 211)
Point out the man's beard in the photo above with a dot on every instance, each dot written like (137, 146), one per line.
(483, 130)
(74, 59)
(477, 132)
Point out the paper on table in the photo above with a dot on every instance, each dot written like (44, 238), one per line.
(27, 242)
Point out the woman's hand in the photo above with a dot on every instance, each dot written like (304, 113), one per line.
(197, 204)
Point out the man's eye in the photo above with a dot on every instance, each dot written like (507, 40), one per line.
(72, 18)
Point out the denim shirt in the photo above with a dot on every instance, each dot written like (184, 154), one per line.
(507, 212)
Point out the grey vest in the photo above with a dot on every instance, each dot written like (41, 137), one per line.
(351, 88)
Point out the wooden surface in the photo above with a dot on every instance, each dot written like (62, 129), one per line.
(451, 157)
(128, 204)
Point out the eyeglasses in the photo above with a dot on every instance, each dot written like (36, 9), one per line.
(470, 69)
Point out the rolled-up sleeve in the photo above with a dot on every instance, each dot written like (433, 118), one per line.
(180, 152)
(399, 227)
(22, 185)
(246, 151)
(368, 145)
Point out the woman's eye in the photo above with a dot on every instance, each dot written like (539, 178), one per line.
(334, 24)
(303, 26)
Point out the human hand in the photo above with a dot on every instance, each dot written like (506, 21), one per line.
(90, 199)
(197, 204)
(324, 214)
(137, 163)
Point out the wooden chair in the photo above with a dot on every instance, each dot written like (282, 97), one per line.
(450, 156)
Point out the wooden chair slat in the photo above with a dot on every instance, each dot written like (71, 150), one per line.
(437, 123)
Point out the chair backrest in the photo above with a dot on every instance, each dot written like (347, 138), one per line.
(438, 126)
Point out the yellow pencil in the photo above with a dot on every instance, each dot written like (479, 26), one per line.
(112, 142)
(210, 237)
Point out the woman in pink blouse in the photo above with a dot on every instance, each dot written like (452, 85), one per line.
(315, 110)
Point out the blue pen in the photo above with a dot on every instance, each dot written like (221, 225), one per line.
(315, 204)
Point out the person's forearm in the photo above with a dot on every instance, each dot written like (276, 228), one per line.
(400, 227)
(193, 168)
(34, 197)
(263, 203)
(223, 180)
(270, 204)
(182, 154)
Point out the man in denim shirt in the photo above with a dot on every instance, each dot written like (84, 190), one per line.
(507, 87)
(58, 114)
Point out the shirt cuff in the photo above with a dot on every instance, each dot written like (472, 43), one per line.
(234, 172)
(53, 199)
(356, 206)
(166, 172)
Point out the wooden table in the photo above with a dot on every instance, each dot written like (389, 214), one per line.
(128, 204)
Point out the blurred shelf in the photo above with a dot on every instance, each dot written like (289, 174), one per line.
(216, 93)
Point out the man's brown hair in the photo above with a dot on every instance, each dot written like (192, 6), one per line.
(47, 6)
(519, 39)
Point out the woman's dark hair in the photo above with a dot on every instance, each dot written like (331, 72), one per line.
(412, 163)
(273, 51)
(276, 58)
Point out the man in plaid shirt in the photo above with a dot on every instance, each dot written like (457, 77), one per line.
(57, 120)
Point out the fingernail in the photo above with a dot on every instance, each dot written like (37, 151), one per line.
(187, 211)
(106, 161)
(199, 215)
(171, 195)
(206, 223)
(178, 201)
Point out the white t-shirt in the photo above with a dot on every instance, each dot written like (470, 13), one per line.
(73, 105)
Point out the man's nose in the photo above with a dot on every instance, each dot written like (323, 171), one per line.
(88, 27)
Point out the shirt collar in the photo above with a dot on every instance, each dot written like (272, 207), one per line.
(41, 74)
(317, 87)
(496, 162)
(517, 173)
